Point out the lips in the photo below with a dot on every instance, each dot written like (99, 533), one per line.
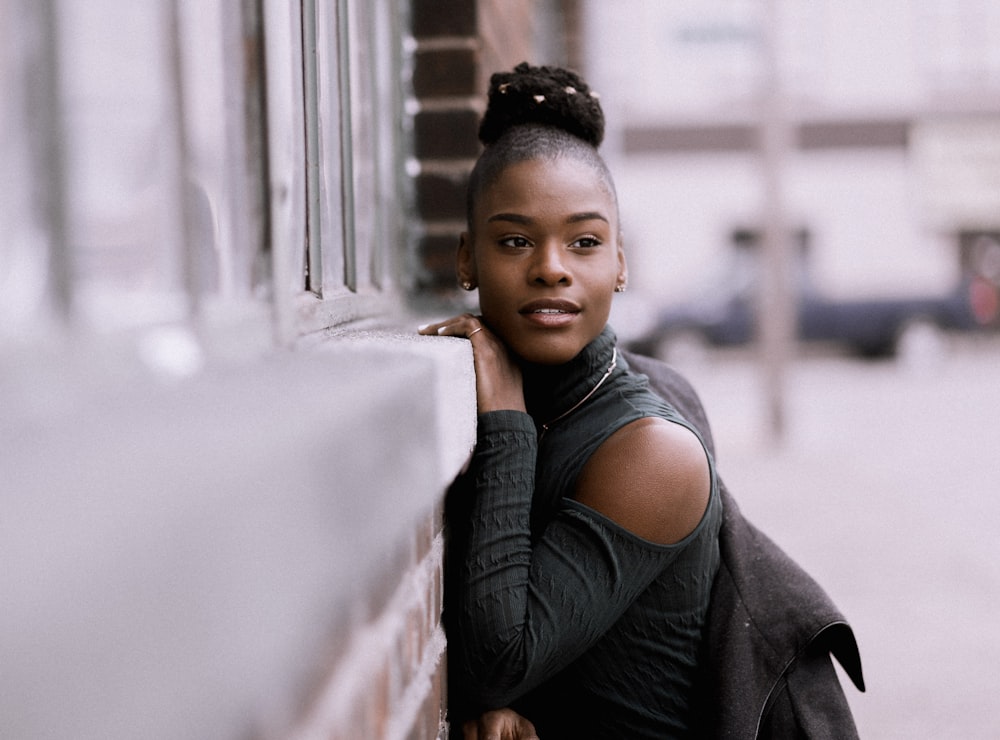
(550, 305)
(550, 312)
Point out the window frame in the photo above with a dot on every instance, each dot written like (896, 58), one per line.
(300, 155)
(351, 217)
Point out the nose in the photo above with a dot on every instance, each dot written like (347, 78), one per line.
(548, 266)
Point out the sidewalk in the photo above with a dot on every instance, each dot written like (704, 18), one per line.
(887, 489)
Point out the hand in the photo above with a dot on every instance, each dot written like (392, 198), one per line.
(498, 378)
(500, 724)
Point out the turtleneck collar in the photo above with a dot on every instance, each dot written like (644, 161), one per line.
(551, 390)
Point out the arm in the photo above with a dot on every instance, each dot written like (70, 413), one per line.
(652, 477)
(531, 608)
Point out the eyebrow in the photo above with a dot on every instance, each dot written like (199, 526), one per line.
(518, 218)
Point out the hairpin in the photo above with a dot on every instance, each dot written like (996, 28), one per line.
(539, 98)
(502, 89)
(595, 94)
(570, 90)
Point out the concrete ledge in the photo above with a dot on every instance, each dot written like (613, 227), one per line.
(451, 386)
(177, 557)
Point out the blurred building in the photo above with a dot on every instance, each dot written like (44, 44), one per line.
(892, 154)
(223, 448)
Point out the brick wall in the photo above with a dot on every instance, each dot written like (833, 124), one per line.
(388, 679)
(508, 33)
(459, 44)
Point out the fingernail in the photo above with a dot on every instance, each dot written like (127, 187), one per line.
(422, 327)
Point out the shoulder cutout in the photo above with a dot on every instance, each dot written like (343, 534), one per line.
(651, 477)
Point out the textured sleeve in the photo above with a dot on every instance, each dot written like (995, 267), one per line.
(527, 609)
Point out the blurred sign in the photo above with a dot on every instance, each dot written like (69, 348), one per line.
(958, 172)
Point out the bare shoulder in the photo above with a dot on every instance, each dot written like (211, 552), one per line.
(651, 477)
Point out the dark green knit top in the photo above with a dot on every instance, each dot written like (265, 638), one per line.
(552, 608)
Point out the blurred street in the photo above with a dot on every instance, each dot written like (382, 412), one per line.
(887, 490)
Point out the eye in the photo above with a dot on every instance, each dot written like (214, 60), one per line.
(515, 242)
(586, 242)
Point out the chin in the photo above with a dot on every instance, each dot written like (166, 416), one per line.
(554, 350)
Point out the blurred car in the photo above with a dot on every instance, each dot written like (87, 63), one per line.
(724, 314)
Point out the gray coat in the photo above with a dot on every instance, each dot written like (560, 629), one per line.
(771, 628)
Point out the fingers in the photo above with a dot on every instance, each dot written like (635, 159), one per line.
(485, 728)
(465, 325)
(499, 724)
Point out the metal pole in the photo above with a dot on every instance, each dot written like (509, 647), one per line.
(776, 315)
(46, 131)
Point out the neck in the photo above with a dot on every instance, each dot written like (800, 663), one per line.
(553, 392)
(592, 391)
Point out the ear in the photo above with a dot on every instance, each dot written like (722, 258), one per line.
(465, 263)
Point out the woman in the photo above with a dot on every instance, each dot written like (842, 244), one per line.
(584, 534)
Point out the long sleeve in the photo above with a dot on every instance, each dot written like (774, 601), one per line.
(526, 610)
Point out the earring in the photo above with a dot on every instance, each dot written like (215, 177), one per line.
(467, 285)
(620, 288)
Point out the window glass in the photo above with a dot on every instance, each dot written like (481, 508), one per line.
(345, 139)
(156, 147)
(213, 89)
(325, 147)
(120, 144)
(363, 143)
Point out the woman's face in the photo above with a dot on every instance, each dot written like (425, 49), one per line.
(545, 252)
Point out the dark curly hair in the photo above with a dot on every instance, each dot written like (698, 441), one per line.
(537, 113)
(547, 96)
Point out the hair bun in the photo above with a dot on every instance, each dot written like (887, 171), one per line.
(549, 96)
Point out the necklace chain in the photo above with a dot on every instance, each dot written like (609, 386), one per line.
(578, 404)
